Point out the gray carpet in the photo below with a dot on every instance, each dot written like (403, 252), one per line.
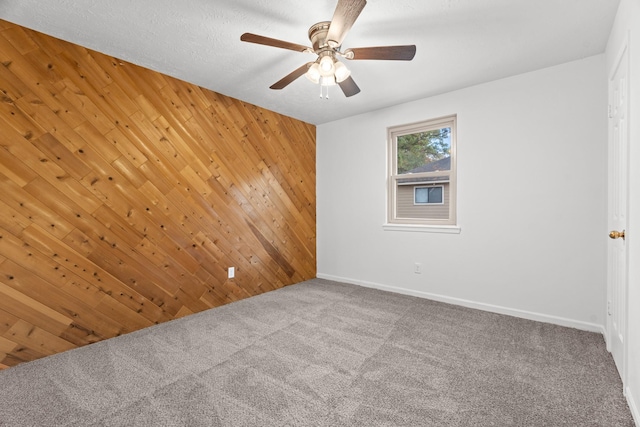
(322, 353)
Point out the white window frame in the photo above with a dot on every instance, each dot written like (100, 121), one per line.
(441, 202)
(394, 223)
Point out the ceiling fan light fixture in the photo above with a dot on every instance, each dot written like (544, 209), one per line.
(327, 66)
(313, 73)
(328, 80)
(342, 72)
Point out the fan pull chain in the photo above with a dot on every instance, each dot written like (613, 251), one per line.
(322, 92)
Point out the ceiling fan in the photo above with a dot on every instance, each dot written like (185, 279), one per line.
(326, 39)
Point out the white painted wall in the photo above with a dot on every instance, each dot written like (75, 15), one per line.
(531, 199)
(627, 24)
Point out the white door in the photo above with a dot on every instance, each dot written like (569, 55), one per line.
(618, 195)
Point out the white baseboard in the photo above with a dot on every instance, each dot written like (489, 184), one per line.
(634, 406)
(576, 324)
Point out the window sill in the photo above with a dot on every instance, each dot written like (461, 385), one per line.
(446, 229)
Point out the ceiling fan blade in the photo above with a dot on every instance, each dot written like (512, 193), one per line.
(346, 13)
(399, 53)
(267, 41)
(289, 78)
(349, 87)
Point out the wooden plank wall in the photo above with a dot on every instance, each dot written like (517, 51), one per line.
(126, 194)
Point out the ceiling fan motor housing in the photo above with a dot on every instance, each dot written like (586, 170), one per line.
(318, 36)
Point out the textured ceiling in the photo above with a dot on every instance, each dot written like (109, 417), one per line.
(459, 43)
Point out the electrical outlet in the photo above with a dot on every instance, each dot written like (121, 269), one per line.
(417, 268)
(231, 272)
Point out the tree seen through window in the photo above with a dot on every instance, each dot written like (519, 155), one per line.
(419, 149)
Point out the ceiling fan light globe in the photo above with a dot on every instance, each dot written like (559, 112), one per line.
(327, 66)
(342, 72)
(313, 73)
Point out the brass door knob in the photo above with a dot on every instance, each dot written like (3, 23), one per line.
(617, 234)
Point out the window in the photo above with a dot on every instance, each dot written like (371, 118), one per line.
(422, 173)
(428, 195)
